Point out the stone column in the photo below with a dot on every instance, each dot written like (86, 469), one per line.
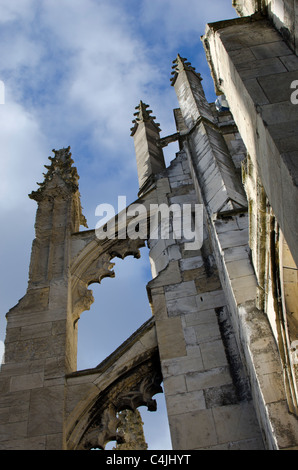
(40, 344)
(149, 154)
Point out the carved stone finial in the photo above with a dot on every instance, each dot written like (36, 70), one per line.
(180, 63)
(61, 164)
(143, 114)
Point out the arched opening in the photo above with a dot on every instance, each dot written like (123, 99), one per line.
(120, 307)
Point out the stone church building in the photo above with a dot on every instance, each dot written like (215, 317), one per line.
(222, 340)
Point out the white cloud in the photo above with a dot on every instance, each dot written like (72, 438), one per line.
(19, 48)
(22, 150)
(109, 68)
(15, 10)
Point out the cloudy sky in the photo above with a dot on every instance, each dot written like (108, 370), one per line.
(73, 72)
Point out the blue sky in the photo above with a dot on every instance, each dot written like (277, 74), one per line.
(73, 71)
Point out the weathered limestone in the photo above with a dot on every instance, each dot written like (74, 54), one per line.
(41, 339)
(213, 166)
(96, 396)
(223, 335)
(250, 63)
(149, 156)
(198, 352)
(255, 66)
(283, 14)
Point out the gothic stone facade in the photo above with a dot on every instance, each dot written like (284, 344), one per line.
(223, 330)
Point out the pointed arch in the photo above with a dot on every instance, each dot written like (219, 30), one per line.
(127, 379)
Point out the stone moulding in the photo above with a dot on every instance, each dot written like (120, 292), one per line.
(93, 263)
(127, 379)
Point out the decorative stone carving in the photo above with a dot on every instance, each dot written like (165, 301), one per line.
(131, 427)
(134, 388)
(100, 266)
(61, 167)
(128, 247)
(82, 299)
(142, 395)
(143, 114)
(107, 431)
(181, 63)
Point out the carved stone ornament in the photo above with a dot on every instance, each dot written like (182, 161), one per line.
(143, 114)
(61, 164)
(61, 182)
(135, 388)
(97, 266)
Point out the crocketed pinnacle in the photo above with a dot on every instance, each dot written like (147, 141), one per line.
(143, 114)
(180, 63)
(61, 164)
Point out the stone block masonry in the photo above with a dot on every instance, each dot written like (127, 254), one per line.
(224, 326)
(200, 360)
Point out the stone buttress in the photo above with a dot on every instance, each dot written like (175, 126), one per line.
(45, 403)
(40, 344)
(253, 61)
(206, 387)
